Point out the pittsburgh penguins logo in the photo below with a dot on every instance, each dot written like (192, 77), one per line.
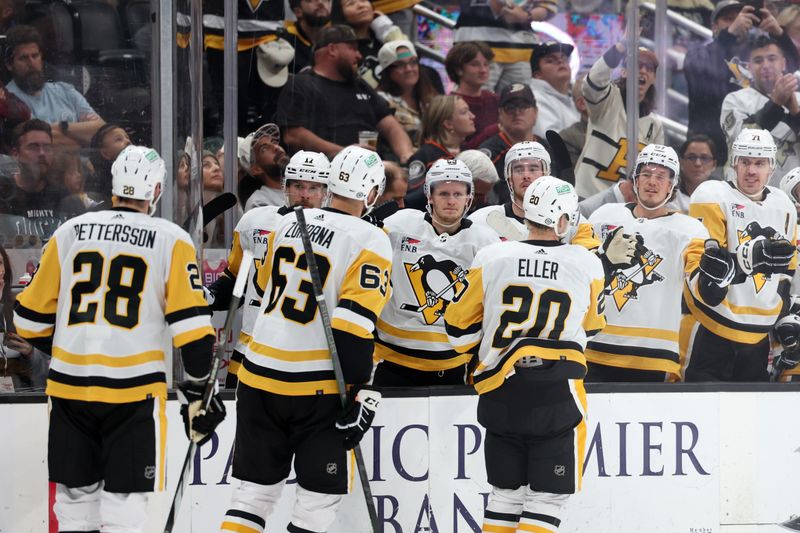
(751, 231)
(435, 285)
(626, 282)
(254, 4)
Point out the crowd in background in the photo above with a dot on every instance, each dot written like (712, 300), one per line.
(330, 73)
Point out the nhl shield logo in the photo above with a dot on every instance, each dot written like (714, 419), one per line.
(149, 472)
(332, 468)
(560, 470)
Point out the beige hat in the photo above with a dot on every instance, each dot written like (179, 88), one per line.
(388, 54)
(274, 58)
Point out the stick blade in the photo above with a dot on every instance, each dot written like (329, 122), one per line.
(504, 227)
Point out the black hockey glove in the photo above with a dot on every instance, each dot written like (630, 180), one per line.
(357, 417)
(381, 212)
(765, 256)
(787, 332)
(199, 423)
(716, 263)
(619, 248)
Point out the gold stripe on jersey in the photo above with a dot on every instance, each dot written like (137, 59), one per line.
(113, 361)
(303, 388)
(289, 356)
(390, 352)
(722, 326)
(635, 362)
(264, 270)
(244, 338)
(235, 257)
(162, 443)
(692, 254)
(561, 351)
(105, 394)
(580, 431)
(584, 236)
(489, 528)
(352, 326)
(464, 319)
(650, 333)
(534, 529)
(713, 219)
(38, 302)
(360, 300)
(217, 42)
(424, 336)
(238, 528)
(186, 309)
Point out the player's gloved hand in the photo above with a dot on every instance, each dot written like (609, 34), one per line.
(210, 296)
(764, 256)
(460, 273)
(787, 332)
(717, 263)
(199, 423)
(357, 417)
(620, 248)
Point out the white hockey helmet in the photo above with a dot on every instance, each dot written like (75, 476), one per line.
(526, 150)
(354, 172)
(136, 174)
(444, 170)
(789, 181)
(307, 166)
(547, 200)
(664, 156)
(754, 143)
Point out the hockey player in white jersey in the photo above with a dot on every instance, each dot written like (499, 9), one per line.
(112, 286)
(287, 402)
(736, 302)
(431, 255)
(305, 182)
(639, 344)
(527, 313)
(525, 162)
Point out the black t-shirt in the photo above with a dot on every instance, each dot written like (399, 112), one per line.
(39, 211)
(333, 110)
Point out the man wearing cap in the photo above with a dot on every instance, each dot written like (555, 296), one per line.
(324, 108)
(714, 70)
(603, 160)
(517, 118)
(269, 160)
(550, 83)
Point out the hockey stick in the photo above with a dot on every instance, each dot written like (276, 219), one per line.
(311, 261)
(560, 152)
(216, 361)
(381, 213)
(214, 208)
(504, 227)
(419, 308)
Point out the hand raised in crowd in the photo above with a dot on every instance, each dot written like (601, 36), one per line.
(18, 344)
(514, 14)
(746, 19)
(769, 23)
(783, 92)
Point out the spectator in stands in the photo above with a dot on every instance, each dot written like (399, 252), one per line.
(402, 87)
(6, 15)
(213, 186)
(507, 26)
(105, 146)
(716, 69)
(396, 185)
(771, 103)
(73, 172)
(467, 65)
(312, 16)
(269, 159)
(697, 165)
(516, 124)
(13, 111)
(324, 108)
(603, 159)
(36, 195)
(373, 29)
(25, 365)
(484, 176)
(552, 75)
(574, 136)
(445, 124)
(71, 118)
(789, 20)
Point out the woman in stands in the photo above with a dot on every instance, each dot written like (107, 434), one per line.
(402, 87)
(467, 65)
(446, 122)
(697, 165)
